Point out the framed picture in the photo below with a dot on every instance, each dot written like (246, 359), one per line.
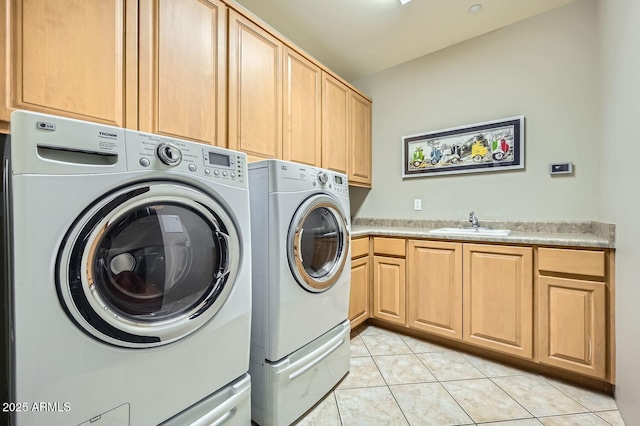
(481, 147)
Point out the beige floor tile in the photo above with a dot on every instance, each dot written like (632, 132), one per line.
(484, 401)
(385, 344)
(493, 369)
(538, 396)
(421, 346)
(449, 366)
(591, 399)
(362, 373)
(613, 417)
(324, 414)
(358, 348)
(369, 406)
(370, 330)
(587, 419)
(524, 422)
(429, 404)
(403, 369)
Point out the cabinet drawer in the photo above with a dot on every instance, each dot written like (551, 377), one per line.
(580, 262)
(359, 247)
(389, 246)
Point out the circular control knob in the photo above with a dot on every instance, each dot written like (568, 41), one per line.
(323, 178)
(169, 154)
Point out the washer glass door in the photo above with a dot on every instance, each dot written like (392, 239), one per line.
(318, 243)
(148, 265)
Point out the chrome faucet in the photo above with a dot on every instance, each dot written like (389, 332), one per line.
(473, 219)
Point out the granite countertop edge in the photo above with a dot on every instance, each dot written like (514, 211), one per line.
(515, 237)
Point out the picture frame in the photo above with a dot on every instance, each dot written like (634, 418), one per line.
(495, 145)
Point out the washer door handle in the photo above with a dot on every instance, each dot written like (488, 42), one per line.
(299, 247)
(224, 244)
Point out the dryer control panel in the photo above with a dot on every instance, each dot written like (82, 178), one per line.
(147, 151)
(328, 180)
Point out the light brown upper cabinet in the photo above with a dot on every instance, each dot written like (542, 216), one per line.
(498, 298)
(360, 141)
(336, 98)
(255, 89)
(302, 110)
(71, 58)
(183, 69)
(434, 287)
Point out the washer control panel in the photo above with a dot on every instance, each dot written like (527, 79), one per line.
(300, 177)
(169, 154)
(147, 151)
(328, 180)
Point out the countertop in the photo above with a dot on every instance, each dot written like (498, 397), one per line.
(565, 234)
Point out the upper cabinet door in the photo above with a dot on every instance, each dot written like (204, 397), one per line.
(255, 90)
(335, 123)
(183, 69)
(302, 110)
(360, 141)
(70, 58)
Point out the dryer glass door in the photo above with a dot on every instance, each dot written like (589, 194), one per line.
(318, 243)
(148, 265)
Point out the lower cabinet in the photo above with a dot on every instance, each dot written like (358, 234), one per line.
(498, 298)
(484, 295)
(434, 287)
(359, 301)
(389, 289)
(389, 297)
(572, 310)
(360, 296)
(572, 324)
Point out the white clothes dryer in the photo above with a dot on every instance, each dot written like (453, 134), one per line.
(301, 259)
(128, 277)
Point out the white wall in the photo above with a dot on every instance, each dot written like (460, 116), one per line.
(544, 68)
(619, 193)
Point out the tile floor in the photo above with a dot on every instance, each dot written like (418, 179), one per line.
(400, 380)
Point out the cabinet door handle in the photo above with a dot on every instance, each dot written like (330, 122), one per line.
(590, 349)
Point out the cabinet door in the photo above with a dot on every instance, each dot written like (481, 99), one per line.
(434, 287)
(360, 141)
(72, 58)
(359, 301)
(255, 90)
(335, 123)
(183, 69)
(302, 110)
(572, 321)
(389, 289)
(498, 298)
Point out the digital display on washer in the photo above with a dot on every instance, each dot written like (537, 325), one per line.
(219, 159)
(338, 180)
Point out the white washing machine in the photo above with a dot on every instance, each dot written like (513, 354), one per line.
(129, 283)
(301, 277)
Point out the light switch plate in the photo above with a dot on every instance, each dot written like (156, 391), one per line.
(417, 204)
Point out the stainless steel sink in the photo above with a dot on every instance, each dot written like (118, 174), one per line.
(485, 232)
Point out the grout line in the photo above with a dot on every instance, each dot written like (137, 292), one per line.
(335, 398)
(441, 382)
(509, 395)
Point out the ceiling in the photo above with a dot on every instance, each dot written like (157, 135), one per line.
(355, 38)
